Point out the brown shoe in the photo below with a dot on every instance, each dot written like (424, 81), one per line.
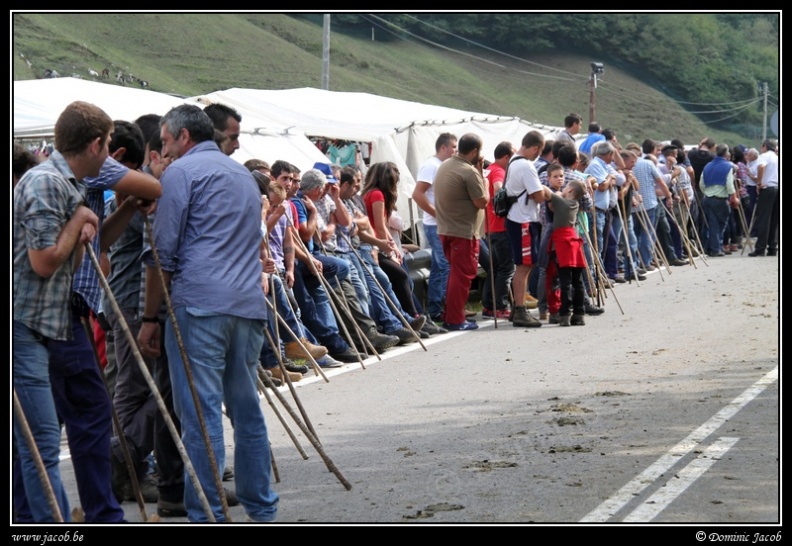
(276, 373)
(295, 351)
(521, 318)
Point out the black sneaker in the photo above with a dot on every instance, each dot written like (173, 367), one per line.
(349, 355)
(405, 336)
(119, 476)
(291, 366)
(431, 328)
(171, 509)
(228, 474)
(592, 309)
(383, 342)
(148, 490)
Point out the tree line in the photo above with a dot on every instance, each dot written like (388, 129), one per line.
(710, 62)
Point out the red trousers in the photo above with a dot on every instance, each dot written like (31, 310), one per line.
(462, 256)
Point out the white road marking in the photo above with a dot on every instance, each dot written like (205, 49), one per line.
(660, 500)
(637, 485)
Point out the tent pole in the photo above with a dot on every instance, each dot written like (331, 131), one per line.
(416, 236)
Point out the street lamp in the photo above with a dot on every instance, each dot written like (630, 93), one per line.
(596, 69)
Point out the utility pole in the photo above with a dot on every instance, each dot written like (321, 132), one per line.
(764, 122)
(596, 69)
(326, 52)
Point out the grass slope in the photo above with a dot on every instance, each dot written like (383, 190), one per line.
(194, 53)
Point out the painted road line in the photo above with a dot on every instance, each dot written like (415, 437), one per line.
(637, 485)
(683, 479)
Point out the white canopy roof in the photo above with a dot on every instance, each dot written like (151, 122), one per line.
(274, 123)
(400, 131)
(38, 103)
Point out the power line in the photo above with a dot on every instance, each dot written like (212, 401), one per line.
(578, 76)
(745, 101)
(730, 116)
(452, 50)
(641, 93)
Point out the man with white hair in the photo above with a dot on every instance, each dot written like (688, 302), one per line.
(767, 211)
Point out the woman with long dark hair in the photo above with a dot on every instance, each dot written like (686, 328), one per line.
(379, 195)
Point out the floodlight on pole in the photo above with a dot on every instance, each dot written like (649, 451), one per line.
(596, 70)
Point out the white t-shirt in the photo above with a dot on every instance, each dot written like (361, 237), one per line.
(427, 174)
(770, 160)
(522, 176)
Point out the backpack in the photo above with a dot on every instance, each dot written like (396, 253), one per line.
(501, 201)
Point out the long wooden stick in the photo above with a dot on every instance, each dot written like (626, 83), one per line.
(288, 381)
(153, 386)
(626, 232)
(263, 389)
(598, 262)
(394, 307)
(133, 477)
(311, 438)
(46, 484)
(317, 369)
(318, 274)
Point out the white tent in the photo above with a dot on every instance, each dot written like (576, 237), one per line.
(400, 131)
(38, 103)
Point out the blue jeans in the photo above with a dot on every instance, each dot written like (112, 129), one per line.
(224, 354)
(83, 404)
(717, 212)
(380, 310)
(632, 240)
(608, 244)
(32, 386)
(645, 235)
(438, 273)
(383, 280)
(315, 309)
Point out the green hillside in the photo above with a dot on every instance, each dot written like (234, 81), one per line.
(194, 53)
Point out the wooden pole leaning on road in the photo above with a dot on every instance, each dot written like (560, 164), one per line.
(746, 239)
(684, 237)
(686, 210)
(317, 273)
(152, 385)
(598, 263)
(394, 307)
(218, 475)
(644, 219)
(341, 299)
(289, 383)
(263, 390)
(317, 369)
(492, 268)
(314, 365)
(599, 272)
(46, 484)
(311, 438)
(133, 477)
(626, 233)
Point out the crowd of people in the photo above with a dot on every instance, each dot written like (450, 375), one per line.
(222, 278)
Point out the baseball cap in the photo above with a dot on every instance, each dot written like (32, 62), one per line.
(327, 170)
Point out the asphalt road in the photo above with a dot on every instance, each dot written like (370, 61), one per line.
(667, 413)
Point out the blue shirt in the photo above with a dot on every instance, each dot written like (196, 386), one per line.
(207, 231)
(647, 173)
(590, 141)
(600, 171)
(86, 281)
